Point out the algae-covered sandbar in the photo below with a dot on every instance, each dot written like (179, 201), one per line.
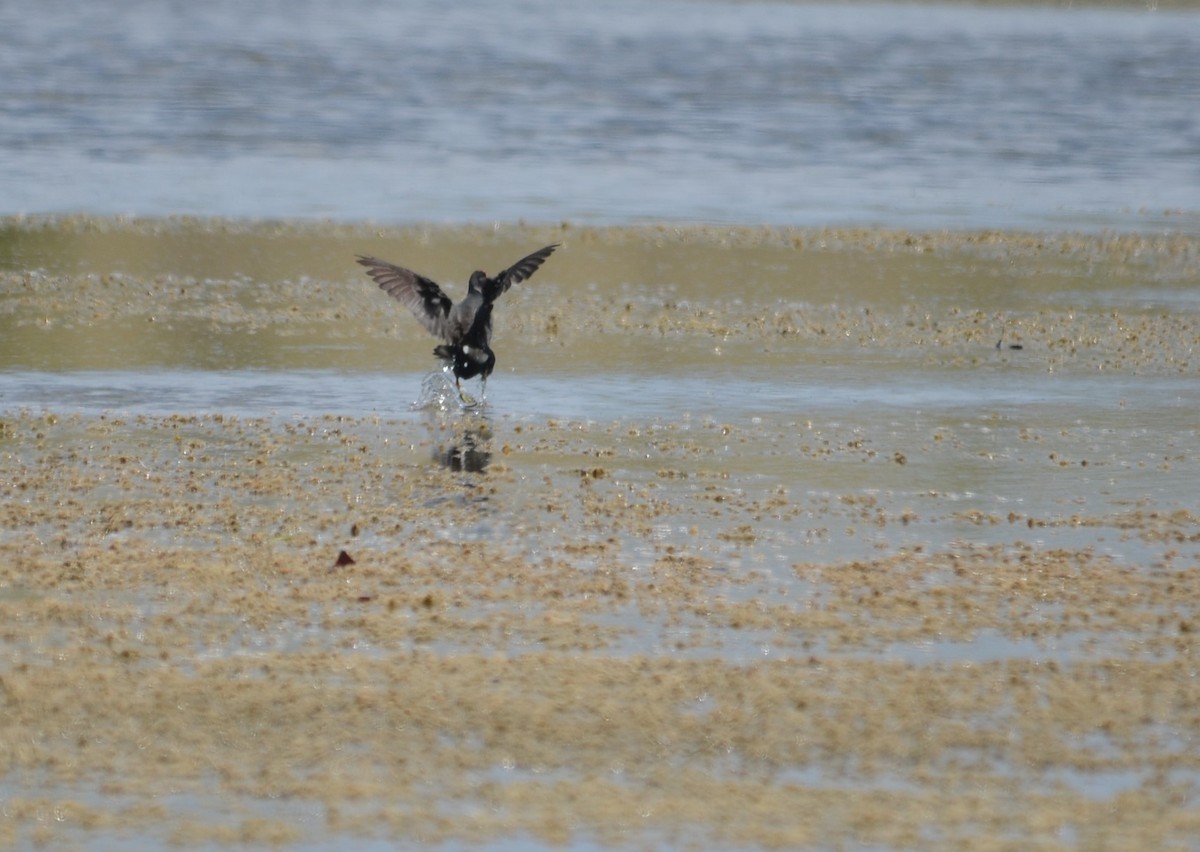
(766, 538)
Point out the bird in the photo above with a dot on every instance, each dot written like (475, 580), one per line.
(465, 328)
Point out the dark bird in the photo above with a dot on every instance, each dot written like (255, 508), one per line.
(466, 327)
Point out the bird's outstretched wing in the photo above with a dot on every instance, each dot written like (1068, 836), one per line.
(523, 268)
(424, 298)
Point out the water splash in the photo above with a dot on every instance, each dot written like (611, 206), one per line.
(457, 422)
(440, 393)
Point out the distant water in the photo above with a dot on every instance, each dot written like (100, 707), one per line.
(609, 112)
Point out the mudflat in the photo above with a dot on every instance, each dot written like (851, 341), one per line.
(765, 538)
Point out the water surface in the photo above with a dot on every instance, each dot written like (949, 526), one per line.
(805, 114)
(895, 528)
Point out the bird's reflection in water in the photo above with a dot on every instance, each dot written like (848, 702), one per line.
(461, 434)
(466, 446)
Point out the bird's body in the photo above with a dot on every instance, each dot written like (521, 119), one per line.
(465, 328)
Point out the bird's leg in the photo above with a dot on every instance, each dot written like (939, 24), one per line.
(463, 396)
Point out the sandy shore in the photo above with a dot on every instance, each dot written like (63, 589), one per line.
(750, 629)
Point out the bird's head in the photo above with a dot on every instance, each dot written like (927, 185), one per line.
(477, 281)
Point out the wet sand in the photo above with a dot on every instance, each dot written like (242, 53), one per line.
(815, 623)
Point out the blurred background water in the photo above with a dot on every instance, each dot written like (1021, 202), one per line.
(617, 111)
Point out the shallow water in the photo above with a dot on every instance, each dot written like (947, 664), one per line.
(784, 538)
(949, 380)
(895, 528)
(803, 114)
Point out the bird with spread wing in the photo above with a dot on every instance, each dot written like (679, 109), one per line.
(464, 328)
